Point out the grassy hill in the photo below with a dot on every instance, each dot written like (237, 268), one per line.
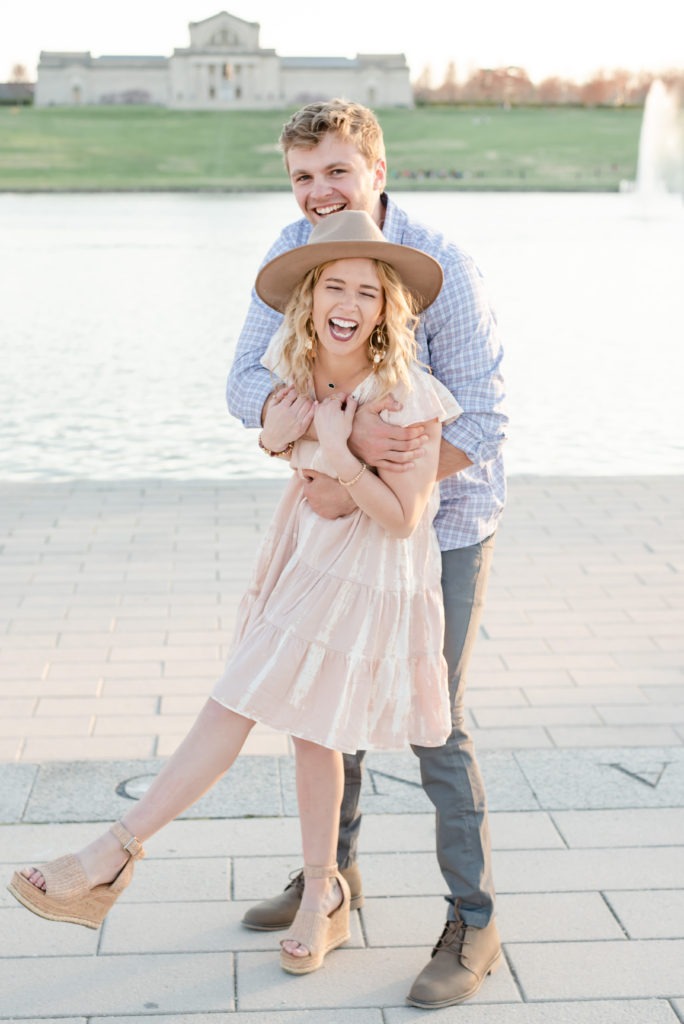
(146, 148)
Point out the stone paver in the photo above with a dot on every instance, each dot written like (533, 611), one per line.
(624, 1011)
(117, 603)
(651, 914)
(68, 985)
(599, 970)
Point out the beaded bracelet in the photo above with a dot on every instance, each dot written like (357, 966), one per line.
(274, 455)
(348, 483)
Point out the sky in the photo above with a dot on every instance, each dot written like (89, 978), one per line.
(571, 39)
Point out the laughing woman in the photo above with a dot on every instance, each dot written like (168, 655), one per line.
(339, 636)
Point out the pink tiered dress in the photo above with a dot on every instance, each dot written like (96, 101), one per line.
(339, 637)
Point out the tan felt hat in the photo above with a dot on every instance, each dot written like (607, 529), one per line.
(347, 235)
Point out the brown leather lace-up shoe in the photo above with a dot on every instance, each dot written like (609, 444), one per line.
(461, 960)
(279, 912)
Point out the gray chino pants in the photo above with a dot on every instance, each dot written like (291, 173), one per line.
(450, 773)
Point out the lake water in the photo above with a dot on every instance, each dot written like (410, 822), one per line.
(119, 315)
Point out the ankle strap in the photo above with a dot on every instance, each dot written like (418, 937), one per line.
(320, 871)
(130, 843)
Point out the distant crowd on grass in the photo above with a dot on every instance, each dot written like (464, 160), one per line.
(519, 173)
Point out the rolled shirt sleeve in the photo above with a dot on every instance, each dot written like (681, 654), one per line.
(459, 340)
(462, 338)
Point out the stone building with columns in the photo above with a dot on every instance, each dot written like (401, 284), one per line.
(223, 68)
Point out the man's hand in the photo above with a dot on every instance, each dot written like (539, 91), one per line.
(382, 445)
(326, 497)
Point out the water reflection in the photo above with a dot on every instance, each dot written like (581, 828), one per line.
(120, 312)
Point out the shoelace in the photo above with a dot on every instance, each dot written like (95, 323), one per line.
(452, 938)
(297, 880)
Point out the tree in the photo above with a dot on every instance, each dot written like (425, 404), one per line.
(422, 87)
(19, 73)
(598, 91)
(448, 91)
(507, 86)
(554, 91)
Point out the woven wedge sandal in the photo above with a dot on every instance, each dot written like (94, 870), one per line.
(67, 895)
(317, 932)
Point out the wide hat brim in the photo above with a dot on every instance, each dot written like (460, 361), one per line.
(419, 272)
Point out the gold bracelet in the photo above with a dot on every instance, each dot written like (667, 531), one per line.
(275, 455)
(348, 483)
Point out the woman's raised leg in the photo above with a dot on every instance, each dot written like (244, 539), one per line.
(206, 753)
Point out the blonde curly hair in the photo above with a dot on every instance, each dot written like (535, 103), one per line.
(299, 341)
(350, 122)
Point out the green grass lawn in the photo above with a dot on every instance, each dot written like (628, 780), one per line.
(139, 148)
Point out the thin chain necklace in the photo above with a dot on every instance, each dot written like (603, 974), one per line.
(361, 374)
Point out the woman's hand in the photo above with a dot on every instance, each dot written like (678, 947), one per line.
(287, 418)
(333, 420)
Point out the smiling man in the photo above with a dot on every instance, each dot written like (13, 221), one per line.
(335, 175)
(335, 159)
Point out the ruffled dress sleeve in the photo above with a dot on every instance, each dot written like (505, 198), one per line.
(272, 357)
(427, 399)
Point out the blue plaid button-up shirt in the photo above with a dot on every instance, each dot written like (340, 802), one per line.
(457, 337)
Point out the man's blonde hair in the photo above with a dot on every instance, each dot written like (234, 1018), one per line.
(351, 122)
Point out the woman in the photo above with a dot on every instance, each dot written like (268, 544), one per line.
(339, 638)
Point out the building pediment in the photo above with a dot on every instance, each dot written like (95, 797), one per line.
(225, 32)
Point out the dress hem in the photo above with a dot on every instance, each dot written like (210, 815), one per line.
(405, 745)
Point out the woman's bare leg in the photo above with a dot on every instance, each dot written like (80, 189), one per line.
(320, 783)
(206, 753)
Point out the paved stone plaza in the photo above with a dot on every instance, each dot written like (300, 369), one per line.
(118, 604)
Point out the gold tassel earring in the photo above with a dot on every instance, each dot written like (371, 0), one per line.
(310, 336)
(378, 344)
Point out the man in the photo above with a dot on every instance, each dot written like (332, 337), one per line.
(335, 158)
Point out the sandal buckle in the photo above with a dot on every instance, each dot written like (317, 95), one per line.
(133, 847)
